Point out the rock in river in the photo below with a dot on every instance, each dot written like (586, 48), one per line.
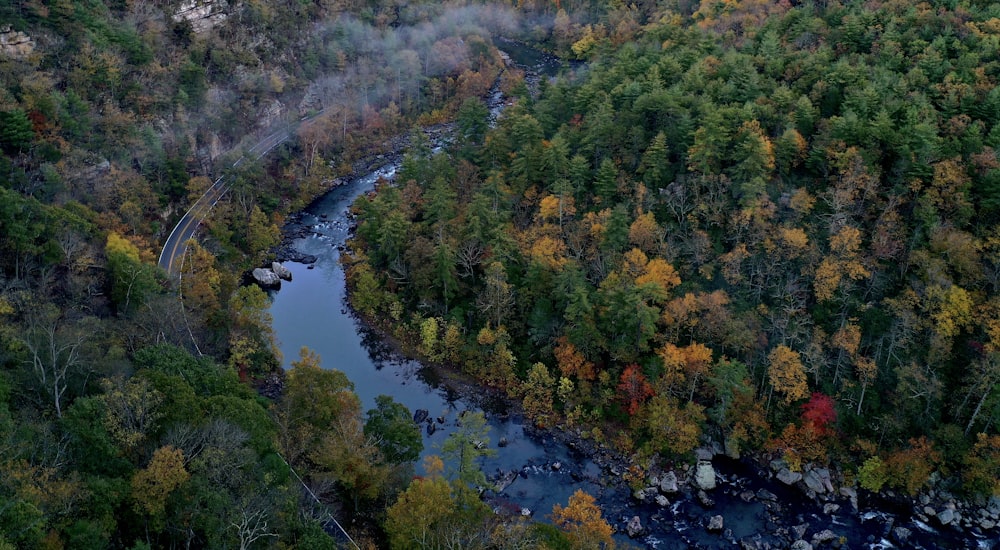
(704, 475)
(668, 483)
(715, 524)
(634, 527)
(266, 278)
(281, 271)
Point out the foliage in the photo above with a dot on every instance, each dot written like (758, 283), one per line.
(582, 522)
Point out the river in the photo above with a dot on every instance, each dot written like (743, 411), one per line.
(312, 311)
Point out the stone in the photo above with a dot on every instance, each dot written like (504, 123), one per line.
(639, 495)
(662, 501)
(789, 477)
(556, 466)
(929, 511)
(824, 536)
(503, 442)
(830, 508)
(703, 453)
(420, 415)
(705, 500)
(814, 482)
(747, 496)
(799, 531)
(634, 527)
(986, 524)
(704, 475)
(777, 464)
(801, 545)
(526, 512)
(946, 516)
(668, 483)
(715, 524)
(281, 271)
(901, 535)
(764, 494)
(266, 278)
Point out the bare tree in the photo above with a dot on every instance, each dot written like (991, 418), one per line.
(55, 348)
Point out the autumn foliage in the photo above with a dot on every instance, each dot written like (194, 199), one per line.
(634, 388)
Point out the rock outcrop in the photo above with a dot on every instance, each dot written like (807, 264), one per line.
(15, 44)
(202, 14)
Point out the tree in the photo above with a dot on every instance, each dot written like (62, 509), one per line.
(537, 390)
(634, 388)
(151, 486)
(786, 373)
(56, 347)
(582, 522)
(16, 132)
(674, 429)
(391, 427)
(131, 278)
(466, 445)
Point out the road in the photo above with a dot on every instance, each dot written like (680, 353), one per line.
(172, 256)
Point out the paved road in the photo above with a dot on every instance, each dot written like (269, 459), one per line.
(172, 257)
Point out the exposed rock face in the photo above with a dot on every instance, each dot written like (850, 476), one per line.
(266, 278)
(202, 14)
(281, 271)
(704, 475)
(15, 44)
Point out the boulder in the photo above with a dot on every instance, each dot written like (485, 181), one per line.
(715, 524)
(901, 535)
(281, 271)
(704, 475)
(662, 501)
(705, 500)
(704, 453)
(789, 477)
(668, 483)
(830, 508)
(634, 527)
(801, 545)
(986, 524)
(764, 494)
(266, 278)
(420, 415)
(556, 466)
(946, 516)
(824, 536)
(814, 482)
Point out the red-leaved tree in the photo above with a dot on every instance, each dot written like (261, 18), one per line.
(819, 411)
(634, 387)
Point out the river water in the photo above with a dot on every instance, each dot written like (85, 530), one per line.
(312, 311)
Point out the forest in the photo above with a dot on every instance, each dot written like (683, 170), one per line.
(768, 224)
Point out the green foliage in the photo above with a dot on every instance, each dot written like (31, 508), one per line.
(873, 474)
(16, 133)
(395, 433)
